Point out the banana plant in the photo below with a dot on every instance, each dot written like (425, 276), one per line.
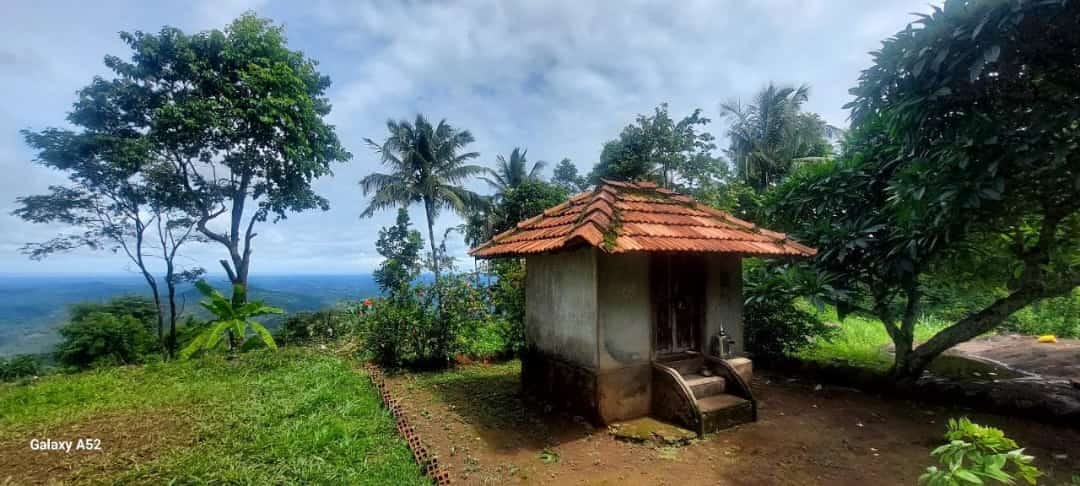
(232, 317)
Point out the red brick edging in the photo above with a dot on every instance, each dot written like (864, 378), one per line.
(427, 461)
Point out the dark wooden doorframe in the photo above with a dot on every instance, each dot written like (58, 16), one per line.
(678, 296)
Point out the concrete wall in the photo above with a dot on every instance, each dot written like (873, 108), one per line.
(624, 317)
(561, 306)
(624, 310)
(723, 299)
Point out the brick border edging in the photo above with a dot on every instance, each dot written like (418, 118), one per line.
(428, 463)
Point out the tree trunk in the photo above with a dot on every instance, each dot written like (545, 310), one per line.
(430, 210)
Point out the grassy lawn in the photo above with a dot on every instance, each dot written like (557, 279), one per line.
(264, 418)
(861, 341)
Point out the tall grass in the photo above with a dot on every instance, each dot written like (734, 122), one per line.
(862, 342)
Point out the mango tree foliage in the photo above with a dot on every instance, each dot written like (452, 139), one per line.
(236, 118)
(966, 132)
(232, 319)
(658, 148)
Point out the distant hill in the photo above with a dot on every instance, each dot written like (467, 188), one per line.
(34, 307)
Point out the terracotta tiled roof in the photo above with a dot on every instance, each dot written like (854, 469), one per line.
(620, 217)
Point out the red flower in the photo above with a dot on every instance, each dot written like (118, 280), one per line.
(367, 303)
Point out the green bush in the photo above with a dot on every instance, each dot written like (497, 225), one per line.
(976, 454)
(508, 303)
(315, 327)
(775, 325)
(409, 329)
(103, 339)
(18, 367)
(398, 332)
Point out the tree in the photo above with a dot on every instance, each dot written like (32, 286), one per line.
(426, 167)
(566, 176)
(511, 173)
(769, 135)
(234, 116)
(964, 134)
(111, 197)
(525, 201)
(657, 148)
(232, 318)
(400, 247)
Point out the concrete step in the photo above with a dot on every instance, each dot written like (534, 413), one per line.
(705, 386)
(723, 411)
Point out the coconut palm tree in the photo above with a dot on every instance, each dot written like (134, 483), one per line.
(427, 166)
(770, 133)
(511, 173)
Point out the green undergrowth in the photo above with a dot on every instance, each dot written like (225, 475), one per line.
(291, 417)
(861, 341)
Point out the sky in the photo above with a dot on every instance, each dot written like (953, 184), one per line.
(556, 77)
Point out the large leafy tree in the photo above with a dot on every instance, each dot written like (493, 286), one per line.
(965, 146)
(234, 116)
(768, 135)
(114, 199)
(511, 173)
(427, 166)
(672, 153)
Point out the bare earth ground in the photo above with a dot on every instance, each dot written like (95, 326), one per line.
(126, 442)
(477, 423)
(1060, 359)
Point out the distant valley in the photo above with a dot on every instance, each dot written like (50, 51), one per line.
(34, 306)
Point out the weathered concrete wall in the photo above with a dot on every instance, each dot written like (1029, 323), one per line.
(624, 319)
(624, 311)
(561, 306)
(723, 299)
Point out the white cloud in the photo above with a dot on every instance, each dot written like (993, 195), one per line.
(559, 77)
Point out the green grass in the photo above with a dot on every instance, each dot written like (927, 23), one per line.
(264, 418)
(861, 341)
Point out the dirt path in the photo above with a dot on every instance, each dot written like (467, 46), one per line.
(484, 434)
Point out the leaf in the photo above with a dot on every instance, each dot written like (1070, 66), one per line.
(261, 331)
(215, 334)
(968, 476)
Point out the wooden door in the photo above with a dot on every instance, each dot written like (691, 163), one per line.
(678, 295)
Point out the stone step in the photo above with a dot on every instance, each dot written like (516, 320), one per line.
(705, 386)
(723, 411)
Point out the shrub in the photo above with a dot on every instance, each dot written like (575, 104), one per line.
(314, 327)
(17, 367)
(975, 454)
(409, 329)
(103, 339)
(508, 302)
(775, 326)
(397, 332)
